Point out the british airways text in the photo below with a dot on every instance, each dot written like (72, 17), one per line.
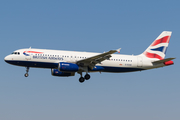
(44, 57)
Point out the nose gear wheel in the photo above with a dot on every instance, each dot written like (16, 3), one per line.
(27, 70)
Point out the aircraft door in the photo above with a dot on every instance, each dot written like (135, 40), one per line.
(28, 57)
(139, 61)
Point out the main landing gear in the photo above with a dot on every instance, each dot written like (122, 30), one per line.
(27, 70)
(82, 79)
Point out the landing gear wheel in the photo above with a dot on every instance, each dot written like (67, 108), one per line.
(26, 74)
(81, 79)
(27, 70)
(87, 76)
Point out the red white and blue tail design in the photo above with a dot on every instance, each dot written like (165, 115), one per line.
(157, 49)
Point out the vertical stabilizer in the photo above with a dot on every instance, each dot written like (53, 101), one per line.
(158, 48)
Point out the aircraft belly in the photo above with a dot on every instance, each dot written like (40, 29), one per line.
(34, 64)
(120, 69)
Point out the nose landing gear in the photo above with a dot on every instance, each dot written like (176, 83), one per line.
(27, 70)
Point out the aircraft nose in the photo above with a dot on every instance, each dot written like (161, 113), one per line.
(6, 58)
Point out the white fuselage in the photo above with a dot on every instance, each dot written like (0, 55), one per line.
(42, 58)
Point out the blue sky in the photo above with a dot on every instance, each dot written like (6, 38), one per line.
(95, 26)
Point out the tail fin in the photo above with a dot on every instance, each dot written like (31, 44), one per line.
(158, 48)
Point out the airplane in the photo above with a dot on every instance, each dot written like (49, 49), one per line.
(67, 63)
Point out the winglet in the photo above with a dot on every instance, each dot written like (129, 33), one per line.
(118, 50)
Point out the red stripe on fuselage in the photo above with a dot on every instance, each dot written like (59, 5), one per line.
(33, 52)
(152, 55)
(162, 40)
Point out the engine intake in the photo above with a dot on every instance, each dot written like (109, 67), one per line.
(68, 67)
(56, 72)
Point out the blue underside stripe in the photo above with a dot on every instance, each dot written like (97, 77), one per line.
(55, 65)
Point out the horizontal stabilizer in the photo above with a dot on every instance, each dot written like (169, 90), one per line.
(162, 61)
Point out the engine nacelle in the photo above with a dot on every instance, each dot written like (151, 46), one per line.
(56, 72)
(68, 67)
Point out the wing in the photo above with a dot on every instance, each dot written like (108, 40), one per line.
(92, 61)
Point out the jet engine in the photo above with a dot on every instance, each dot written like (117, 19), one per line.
(56, 72)
(68, 67)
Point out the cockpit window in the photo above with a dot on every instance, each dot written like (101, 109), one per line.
(16, 53)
